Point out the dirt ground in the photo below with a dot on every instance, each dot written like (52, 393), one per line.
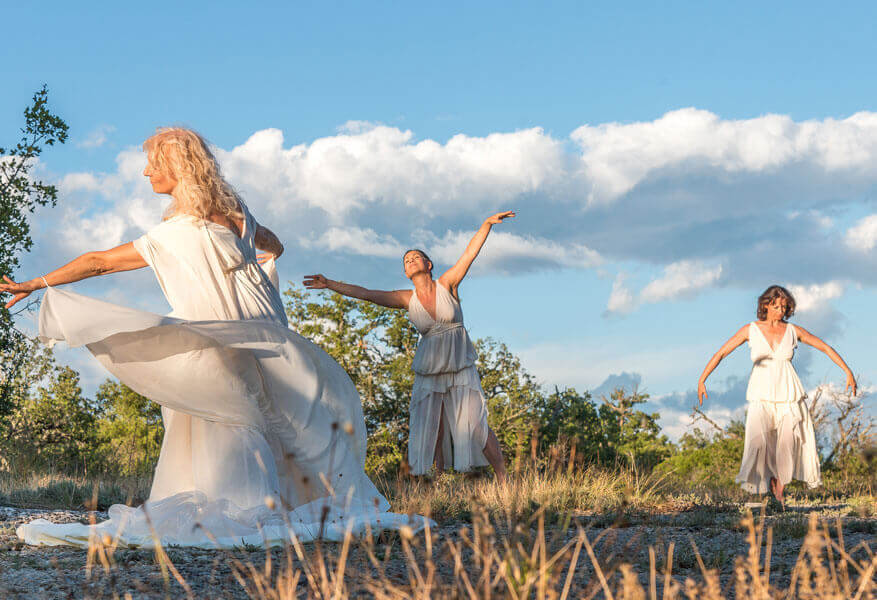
(61, 572)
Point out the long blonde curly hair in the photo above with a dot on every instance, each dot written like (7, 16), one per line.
(201, 190)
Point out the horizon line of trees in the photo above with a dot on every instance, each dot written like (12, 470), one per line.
(50, 425)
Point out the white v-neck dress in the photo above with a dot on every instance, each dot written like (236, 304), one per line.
(445, 377)
(252, 410)
(780, 441)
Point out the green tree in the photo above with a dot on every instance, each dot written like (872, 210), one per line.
(129, 429)
(20, 194)
(632, 433)
(513, 398)
(570, 418)
(36, 367)
(707, 460)
(53, 428)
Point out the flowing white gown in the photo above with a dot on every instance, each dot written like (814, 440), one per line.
(256, 417)
(780, 441)
(445, 376)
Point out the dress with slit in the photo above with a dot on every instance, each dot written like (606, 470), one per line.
(446, 386)
(264, 432)
(780, 440)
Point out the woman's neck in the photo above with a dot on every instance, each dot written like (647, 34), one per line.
(423, 282)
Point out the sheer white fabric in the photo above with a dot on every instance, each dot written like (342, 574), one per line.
(446, 386)
(780, 441)
(255, 415)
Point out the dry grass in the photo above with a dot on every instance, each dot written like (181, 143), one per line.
(593, 491)
(570, 533)
(529, 561)
(56, 490)
(579, 491)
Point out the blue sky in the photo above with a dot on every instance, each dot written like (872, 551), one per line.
(668, 161)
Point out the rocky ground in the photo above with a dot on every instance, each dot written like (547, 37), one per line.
(61, 572)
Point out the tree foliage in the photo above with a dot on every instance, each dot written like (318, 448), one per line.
(20, 194)
(128, 429)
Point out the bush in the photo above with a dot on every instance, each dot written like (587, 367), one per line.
(702, 460)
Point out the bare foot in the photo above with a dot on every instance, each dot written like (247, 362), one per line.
(777, 489)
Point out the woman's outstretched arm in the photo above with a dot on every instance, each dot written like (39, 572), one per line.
(390, 299)
(453, 276)
(90, 264)
(810, 339)
(736, 340)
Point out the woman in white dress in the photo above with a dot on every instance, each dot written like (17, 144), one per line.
(780, 444)
(264, 432)
(448, 414)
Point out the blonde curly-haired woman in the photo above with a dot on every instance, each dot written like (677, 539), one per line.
(263, 430)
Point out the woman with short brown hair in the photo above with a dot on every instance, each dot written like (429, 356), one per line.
(780, 442)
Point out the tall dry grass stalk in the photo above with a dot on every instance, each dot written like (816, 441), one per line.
(528, 560)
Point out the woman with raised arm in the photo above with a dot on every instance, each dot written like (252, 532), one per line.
(780, 443)
(264, 432)
(448, 415)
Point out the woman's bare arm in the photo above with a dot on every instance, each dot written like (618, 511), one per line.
(390, 299)
(452, 277)
(90, 264)
(811, 340)
(266, 240)
(732, 344)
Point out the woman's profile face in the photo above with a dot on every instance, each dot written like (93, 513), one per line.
(413, 263)
(776, 310)
(162, 183)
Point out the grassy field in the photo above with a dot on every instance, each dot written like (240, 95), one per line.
(572, 533)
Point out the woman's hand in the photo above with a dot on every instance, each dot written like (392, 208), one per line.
(316, 282)
(851, 383)
(19, 291)
(265, 257)
(498, 217)
(701, 393)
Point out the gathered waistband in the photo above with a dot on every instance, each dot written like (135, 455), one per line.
(440, 328)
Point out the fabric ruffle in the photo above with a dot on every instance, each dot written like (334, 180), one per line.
(774, 380)
(191, 519)
(447, 352)
(426, 385)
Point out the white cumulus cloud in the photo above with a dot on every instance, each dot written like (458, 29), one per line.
(682, 279)
(354, 240)
(616, 156)
(816, 297)
(507, 252)
(863, 235)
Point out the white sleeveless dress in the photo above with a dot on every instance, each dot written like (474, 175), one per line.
(254, 414)
(445, 377)
(780, 441)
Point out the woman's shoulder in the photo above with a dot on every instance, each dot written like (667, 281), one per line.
(174, 228)
(451, 290)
